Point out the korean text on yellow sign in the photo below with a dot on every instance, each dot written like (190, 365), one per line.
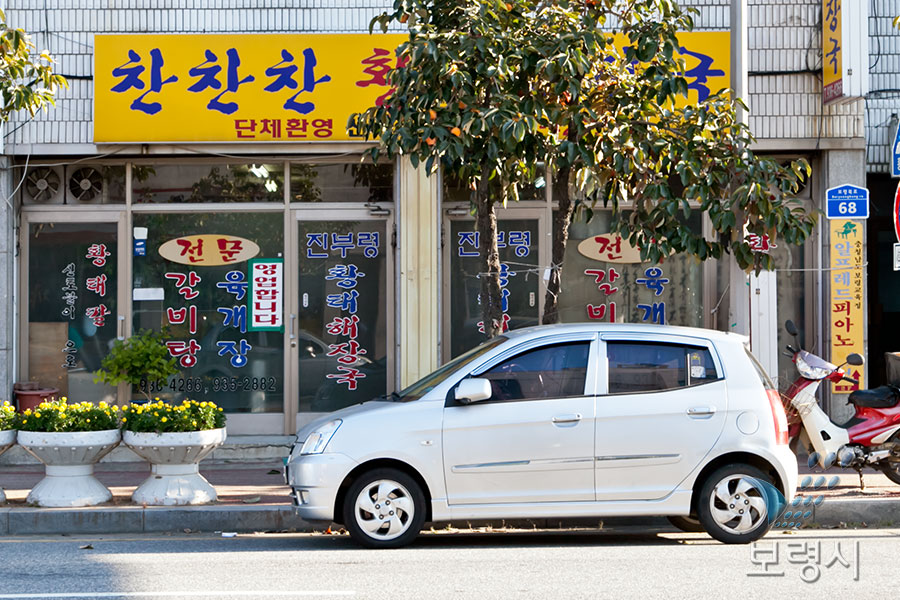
(832, 51)
(845, 309)
(277, 87)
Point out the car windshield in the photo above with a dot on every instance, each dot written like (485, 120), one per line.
(428, 383)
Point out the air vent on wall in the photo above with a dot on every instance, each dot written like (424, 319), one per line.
(86, 185)
(43, 185)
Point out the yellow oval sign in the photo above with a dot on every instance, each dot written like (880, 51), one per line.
(609, 247)
(208, 250)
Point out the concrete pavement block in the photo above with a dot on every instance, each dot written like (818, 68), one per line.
(108, 519)
(224, 518)
(4, 521)
(873, 511)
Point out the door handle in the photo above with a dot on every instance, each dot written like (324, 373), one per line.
(573, 418)
(701, 411)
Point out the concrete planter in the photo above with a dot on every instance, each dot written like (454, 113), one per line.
(175, 470)
(7, 439)
(69, 459)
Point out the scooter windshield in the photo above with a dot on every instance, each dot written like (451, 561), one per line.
(815, 362)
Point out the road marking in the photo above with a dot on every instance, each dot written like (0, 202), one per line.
(185, 594)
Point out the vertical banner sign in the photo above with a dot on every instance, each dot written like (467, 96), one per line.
(832, 52)
(845, 308)
(266, 294)
(895, 152)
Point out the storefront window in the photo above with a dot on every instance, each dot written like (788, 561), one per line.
(72, 309)
(517, 241)
(342, 337)
(603, 279)
(215, 283)
(350, 182)
(173, 184)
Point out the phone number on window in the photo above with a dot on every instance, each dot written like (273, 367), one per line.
(215, 384)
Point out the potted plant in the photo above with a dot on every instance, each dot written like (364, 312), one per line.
(7, 432)
(69, 439)
(142, 360)
(174, 439)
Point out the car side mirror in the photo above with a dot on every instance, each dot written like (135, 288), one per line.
(473, 390)
(855, 359)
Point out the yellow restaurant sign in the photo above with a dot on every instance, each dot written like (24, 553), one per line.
(208, 250)
(609, 247)
(276, 87)
(832, 63)
(845, 308)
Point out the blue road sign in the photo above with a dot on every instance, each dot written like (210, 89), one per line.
(895, 154)
(847, 202)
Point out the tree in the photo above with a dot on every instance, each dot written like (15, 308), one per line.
(490, 89)
(27, 80)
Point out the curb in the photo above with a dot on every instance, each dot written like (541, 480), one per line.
(260, 518)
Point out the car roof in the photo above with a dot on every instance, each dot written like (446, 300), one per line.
(643, 328)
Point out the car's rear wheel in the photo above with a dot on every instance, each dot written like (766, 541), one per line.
(732, 505)
(384, 508)
(688, 524)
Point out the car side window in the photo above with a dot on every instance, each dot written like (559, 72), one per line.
(556, 371)
(654, 366)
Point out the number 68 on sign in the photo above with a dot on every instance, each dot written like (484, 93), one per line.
(847, 202)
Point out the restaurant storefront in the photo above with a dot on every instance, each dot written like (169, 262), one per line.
(229, 207)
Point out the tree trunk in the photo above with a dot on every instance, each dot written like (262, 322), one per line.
(561, 220)
(486, 224)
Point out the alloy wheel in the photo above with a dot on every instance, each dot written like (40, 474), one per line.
(737, 505)
(384, 509)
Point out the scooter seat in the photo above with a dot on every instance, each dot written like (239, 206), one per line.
(885, 396)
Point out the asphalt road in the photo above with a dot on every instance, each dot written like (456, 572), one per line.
(614, 563)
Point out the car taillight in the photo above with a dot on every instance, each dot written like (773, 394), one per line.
(781, 425)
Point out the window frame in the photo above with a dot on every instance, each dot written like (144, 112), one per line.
(648, 338)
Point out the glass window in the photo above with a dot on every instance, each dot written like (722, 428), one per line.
(557, 371)
(604, 281)
(173, 184)
(653, 367)
(351, 182)
(207, 293)
(517, 241)
(343, 321)
(72, 309)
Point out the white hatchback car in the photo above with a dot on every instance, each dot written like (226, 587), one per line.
(557, 421)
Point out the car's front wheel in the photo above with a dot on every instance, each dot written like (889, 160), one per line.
(384, 508)
(732, 505)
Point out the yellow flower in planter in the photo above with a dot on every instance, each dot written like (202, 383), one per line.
(184, 417)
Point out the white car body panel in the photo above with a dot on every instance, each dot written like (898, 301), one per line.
(501, 460)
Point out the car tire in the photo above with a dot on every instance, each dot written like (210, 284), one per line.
(732, 507)
(687, 524)
(384, 508)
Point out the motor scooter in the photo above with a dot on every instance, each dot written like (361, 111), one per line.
(870, 438)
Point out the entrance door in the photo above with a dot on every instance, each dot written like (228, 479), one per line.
(341, 321)
(519, 232)
(74, 302)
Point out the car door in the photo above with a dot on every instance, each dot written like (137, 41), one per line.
(533, 440)
(661, 409)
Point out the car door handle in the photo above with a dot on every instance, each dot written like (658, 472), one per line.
(574, 418)
(701, 411)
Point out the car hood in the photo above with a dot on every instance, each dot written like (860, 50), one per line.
(344, 413)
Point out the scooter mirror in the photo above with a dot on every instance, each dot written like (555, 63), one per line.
(855, 360)
(791, 328)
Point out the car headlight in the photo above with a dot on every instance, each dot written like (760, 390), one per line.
(809, 372)
(317, 440)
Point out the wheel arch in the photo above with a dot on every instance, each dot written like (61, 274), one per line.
(379, 463)
(731, 458)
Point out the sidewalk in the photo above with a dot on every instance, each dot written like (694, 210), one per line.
(253, 497)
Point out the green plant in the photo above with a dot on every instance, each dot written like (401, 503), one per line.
(160, 417)
(7, 416)
(141, 359)
(60, 416)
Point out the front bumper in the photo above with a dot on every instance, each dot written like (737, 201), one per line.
(314, 480)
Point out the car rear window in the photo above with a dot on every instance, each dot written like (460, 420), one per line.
(654, 366)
